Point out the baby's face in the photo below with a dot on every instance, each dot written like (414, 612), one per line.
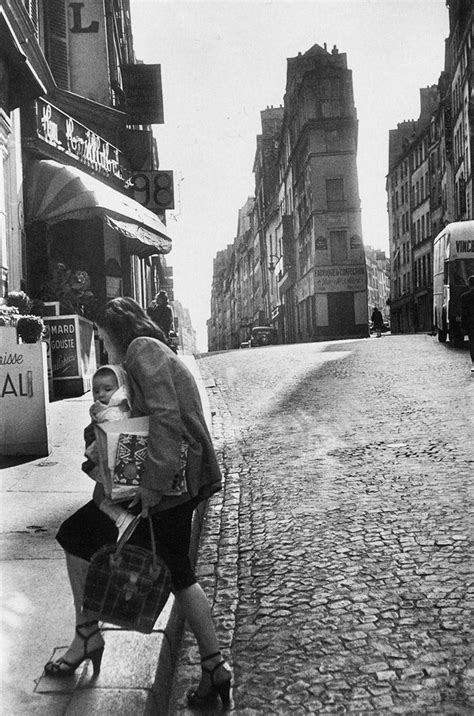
(104, 386)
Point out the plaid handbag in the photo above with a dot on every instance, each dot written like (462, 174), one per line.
(127, 585)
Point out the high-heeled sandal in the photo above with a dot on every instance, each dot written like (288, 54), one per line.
(65, 668)
(219, 687)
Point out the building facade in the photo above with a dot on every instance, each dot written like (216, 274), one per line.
(303, 250)
(429, 180)
(184, 328)
(378, 282)
(74, 139)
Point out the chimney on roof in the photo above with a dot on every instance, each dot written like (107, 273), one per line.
(326, 46)
(335, 51)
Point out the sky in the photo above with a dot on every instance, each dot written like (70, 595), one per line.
(223, 62)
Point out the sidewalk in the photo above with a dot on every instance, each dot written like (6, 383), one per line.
(37, 611)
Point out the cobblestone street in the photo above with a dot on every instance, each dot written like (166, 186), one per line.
(339, 554)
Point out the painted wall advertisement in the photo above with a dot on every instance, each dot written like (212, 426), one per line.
(333, 279)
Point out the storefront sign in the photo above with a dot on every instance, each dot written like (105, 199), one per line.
(63, 341)
(72, 349)
(332, 279)
(64, 133)
(23, 397)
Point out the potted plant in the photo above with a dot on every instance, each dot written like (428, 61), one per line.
(8, 315)
(30, 328)
(17, 311)
(19, 300)
(24, 379)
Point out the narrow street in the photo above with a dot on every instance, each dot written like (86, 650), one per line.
(339, 554)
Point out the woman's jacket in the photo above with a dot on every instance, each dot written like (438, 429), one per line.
(163, 388)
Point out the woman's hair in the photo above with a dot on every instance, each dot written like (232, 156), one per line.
(124, 320)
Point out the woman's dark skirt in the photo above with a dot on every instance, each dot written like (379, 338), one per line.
(89, 529)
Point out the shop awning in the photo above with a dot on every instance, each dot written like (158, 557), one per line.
(55, 192)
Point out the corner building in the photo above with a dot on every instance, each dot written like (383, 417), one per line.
(300, 264)
(323, 282)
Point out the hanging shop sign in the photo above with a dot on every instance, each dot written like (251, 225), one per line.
(154, 190)
(76, 141)
(143, 92)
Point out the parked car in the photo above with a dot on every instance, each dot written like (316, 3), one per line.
(263, 336)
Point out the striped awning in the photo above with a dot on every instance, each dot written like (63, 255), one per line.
(56, 192)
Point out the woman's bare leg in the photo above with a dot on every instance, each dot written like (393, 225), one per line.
(77, 571)
(196, 610)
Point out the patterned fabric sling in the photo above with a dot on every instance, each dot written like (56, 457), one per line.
(128, 585)
(122, 450)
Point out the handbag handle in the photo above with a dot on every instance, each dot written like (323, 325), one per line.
(126, 536)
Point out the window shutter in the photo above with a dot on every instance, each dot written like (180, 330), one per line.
(56, 41)
(32, 9)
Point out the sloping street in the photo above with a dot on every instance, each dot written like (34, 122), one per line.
(339, 554)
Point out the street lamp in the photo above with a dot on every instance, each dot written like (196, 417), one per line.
(271, 265)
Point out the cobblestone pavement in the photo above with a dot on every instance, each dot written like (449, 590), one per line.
(339, 554)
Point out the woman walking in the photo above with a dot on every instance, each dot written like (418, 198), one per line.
(164, 389)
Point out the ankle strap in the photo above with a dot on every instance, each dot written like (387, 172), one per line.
(85, 625)
(210, 656)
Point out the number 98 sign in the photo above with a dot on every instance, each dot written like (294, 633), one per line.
(154, 190)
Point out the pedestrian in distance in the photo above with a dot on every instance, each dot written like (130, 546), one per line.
(161, 313)
(467, 317)
(377, 321)
(163, 388)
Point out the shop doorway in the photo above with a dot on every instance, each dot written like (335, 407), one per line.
(341, 314)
